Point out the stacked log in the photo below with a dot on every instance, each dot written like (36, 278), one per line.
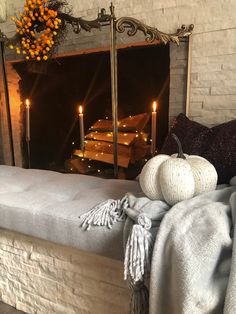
(132, 141)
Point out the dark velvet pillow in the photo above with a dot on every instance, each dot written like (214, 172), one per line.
(221, 150)
(218, 144)
(192, 135)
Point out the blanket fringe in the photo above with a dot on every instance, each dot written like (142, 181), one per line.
(105, 214)
(138, 254)
(140, 299)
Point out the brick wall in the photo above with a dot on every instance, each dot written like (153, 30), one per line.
(213, 75)
(38, 276)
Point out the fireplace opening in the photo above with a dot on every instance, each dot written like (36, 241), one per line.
(67, 82)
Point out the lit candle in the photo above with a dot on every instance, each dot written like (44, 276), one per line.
(27, 120)
(81, 124)
(154, 127)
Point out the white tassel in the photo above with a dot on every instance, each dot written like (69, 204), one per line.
(138, 251)
(105, 214)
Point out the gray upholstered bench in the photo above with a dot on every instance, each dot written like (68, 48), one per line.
(48, 263)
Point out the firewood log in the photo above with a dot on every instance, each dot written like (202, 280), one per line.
(129, 124)
(123, 138)
(123, 161)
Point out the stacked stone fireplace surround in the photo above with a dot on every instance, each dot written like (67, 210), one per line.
(213, 75)
(34, 271)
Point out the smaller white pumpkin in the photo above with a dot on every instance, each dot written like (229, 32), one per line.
(178, 177)
(233, 181)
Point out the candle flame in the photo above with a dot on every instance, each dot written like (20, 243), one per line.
(154, 106)
(27, 103)
(80, 109)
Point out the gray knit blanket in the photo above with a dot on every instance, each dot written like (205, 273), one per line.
(184, 256)
(194, 257)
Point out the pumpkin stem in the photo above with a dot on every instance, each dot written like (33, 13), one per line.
(180, 153)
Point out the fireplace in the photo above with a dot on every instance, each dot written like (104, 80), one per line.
(106, 32)
(56, 92)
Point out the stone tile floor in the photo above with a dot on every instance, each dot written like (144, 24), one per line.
(6, 309)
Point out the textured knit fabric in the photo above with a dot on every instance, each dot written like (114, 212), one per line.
(221, 151)
(230, 302)
(47, 205)
(192, 135)
(217, 144)
(193, 265)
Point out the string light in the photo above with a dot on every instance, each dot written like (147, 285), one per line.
(91, 136)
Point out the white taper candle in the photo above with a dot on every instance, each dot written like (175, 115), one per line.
(154, 127)
(81, 125)
(27, 120)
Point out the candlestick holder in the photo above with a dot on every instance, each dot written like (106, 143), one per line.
(81, 125)
(28, 154)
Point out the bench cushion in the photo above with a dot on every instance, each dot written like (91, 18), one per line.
(48, 204)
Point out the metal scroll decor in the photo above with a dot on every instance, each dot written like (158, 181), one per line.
(121, 25)
(151, 33)
(79, 24)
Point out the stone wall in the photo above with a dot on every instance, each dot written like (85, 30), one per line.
(16, 119)
(213, 75)
(41, 277)
(3, 10)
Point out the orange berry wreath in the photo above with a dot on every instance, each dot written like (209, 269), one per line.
(37, 28)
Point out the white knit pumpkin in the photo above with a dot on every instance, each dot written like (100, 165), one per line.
(178, 177)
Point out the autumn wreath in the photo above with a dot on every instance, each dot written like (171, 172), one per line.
(38, 28)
